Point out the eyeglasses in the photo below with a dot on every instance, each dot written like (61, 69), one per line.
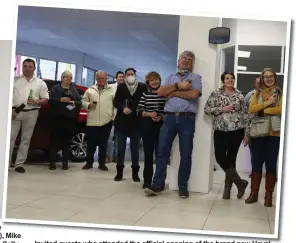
(268, 77)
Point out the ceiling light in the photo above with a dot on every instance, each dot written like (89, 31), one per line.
(245, 54)
(243, 68)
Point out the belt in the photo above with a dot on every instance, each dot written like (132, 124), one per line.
(181, 113)
(26, 110)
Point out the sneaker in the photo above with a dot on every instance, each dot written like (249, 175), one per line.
(87, 167)
(103, 167)
(184, 194)
(20, 169)
(152, 191)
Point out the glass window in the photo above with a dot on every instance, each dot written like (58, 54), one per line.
(47, 69)
(62, 66)
(88, 77)
(19, 64)
(229, 59)
(260, 57)
(245, 82)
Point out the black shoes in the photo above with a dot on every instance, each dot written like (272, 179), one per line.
(184, 194)
(103, 167)
(65, 165)
(52, 166)
(20, 169)
(136, 177)
(119, 176)
(153, 191)
(87, 166)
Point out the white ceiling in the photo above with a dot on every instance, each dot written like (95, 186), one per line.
(143, 41)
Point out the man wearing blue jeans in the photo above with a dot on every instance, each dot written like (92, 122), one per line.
(182, 90)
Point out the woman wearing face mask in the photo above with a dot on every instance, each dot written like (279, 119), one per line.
(266, 102)
(151, 110)
(126, 100)
(231, 124)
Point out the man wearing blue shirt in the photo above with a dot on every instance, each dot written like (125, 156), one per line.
(182, 90)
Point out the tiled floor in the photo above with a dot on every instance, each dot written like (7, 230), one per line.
(93, 197)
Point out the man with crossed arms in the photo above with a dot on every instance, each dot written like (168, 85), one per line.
(182, 90)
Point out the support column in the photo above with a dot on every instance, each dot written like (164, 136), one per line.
(193, 36)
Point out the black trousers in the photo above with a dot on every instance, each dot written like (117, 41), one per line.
(226, 147)
(61, 132)
(97, 136)
(150, 137)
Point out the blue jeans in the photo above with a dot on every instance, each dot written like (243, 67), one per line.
(184, 126)
(265, 150)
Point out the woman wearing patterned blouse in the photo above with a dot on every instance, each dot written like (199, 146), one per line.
(151, 110)
(231, 124)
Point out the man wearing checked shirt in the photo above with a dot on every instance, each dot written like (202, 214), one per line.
(182, 90)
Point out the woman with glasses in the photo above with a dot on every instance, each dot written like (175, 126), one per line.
(151, 110)
(267, 103)
(65, 103)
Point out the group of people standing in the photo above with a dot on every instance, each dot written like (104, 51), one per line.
(156, 112)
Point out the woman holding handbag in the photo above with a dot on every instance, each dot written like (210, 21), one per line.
(266, 103)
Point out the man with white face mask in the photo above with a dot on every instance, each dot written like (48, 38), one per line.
(126, 100)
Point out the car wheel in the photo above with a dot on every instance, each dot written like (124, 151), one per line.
(78, 147)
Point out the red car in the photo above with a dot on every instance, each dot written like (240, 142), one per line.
(41, 137)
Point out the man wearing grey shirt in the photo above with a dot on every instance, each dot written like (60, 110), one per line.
(182, 90)
(248, 99)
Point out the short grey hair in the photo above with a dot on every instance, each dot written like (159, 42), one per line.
(187, 53)
(66, 73)
(101, 72)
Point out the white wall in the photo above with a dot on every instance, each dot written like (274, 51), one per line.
(193, 35)
(63, 55)
(256, 32)
(232, 25)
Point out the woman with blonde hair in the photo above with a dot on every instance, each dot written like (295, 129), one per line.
(266, 103)
(151, 111)
(65, 103)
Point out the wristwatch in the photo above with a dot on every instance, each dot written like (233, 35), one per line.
(176, 86)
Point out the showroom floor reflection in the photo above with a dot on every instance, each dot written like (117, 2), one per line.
(93, 197)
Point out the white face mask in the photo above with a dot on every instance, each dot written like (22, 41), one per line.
(131, 79)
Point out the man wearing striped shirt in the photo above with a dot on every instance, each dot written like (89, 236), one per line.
(151, 109)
